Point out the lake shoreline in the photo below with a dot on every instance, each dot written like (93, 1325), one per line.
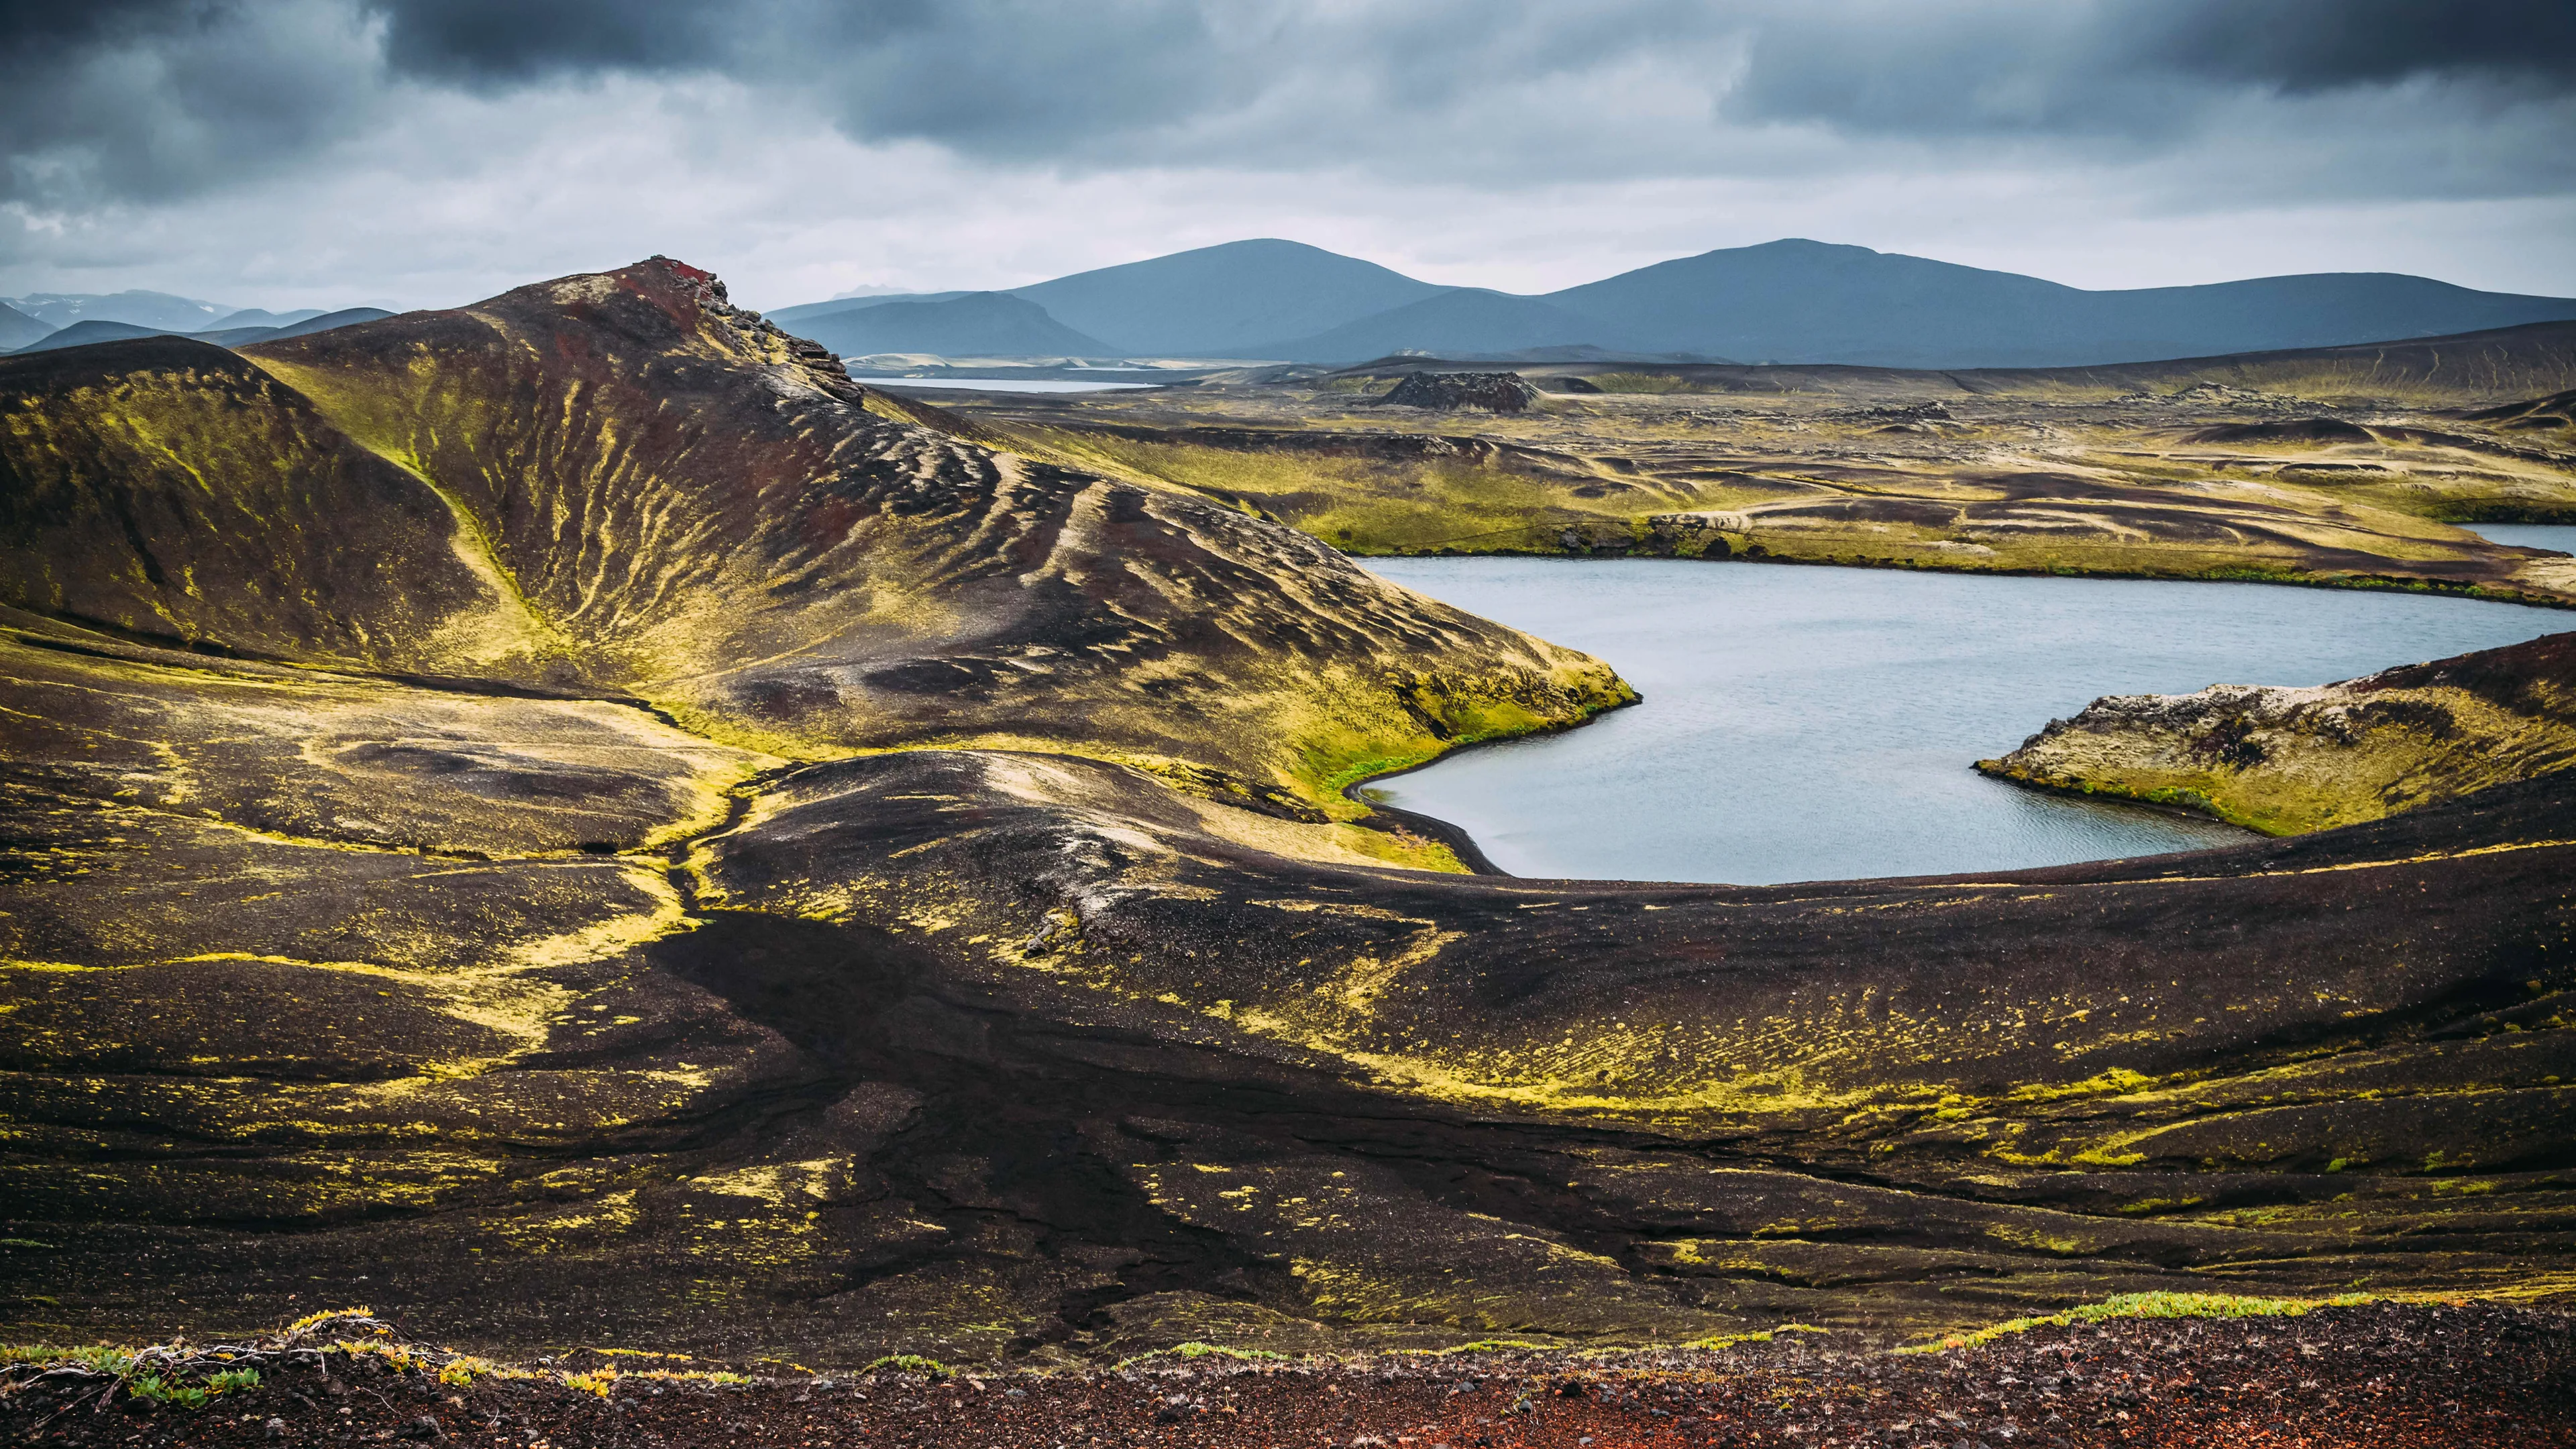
(1458, 840)
(2366, 584)
(1827, 726)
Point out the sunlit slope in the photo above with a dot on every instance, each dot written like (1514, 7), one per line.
(2346, 466)
(704, 510)
(168, 488)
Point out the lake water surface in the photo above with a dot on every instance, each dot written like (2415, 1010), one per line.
(2560, 536)
(1813, 723)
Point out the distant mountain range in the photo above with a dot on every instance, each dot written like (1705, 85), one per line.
(967, 324)
(17, 329)
(81, 334)
(1784, 301)
(69, 319)
(256, 317)
(158, 311)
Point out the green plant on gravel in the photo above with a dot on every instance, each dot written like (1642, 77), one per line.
(1766, 1335)
(1196, 1349)
(1481, 1345)
(2146, 1305)
(911, 1363)
(161, 1389)
(97, 1357)
(126, 1366)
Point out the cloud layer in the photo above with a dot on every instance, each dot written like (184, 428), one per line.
(317, 150)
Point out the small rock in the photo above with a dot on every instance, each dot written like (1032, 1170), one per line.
(276, 1428)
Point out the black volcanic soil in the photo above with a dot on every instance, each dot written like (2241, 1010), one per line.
(2383, 1376)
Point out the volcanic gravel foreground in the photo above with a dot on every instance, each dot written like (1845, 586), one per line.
(2381, 1374)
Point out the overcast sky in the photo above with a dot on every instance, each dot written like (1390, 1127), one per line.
(428, 152)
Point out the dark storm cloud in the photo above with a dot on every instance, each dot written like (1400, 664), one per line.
(2316, 44)
(2140, 71)
(155, 98)
(1023, 78)
(116, 99)
(486, 43)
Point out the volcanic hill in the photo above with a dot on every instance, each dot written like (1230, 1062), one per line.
(571, 821)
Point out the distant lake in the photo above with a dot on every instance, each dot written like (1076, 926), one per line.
(997, 384)
(2560, 536)
(1816, 723)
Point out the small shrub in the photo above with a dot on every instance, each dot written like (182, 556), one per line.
(911, 1363)
(156, 1389)
(1730, 1340)
(1196, 1349)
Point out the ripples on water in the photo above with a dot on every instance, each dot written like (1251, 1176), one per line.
(1816, 723)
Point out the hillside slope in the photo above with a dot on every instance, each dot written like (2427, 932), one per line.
(1462, 322)
(702, 514)
(1803, 301)
(167, 488)
(1217, 301)
(975, 324)
(17, 329)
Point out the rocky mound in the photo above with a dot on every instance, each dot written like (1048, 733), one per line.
(2290, 760)
(1501, 392)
